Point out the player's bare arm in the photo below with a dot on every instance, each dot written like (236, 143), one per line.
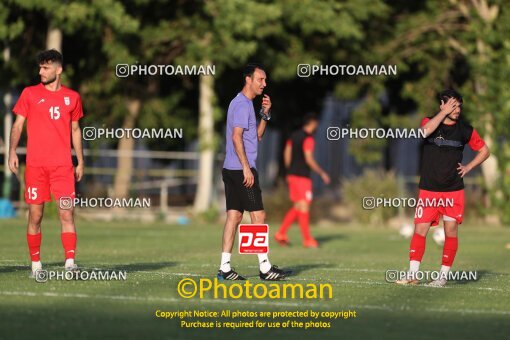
(237, 138)
(480, 157)
(310, 160)
(266, 106)
(78, 148)
(446, 108)
(16, 130)
(287, 155)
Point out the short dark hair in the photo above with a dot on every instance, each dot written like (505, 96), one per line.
(49, 56)
(250, 68)
(445, 95)
(309, 117)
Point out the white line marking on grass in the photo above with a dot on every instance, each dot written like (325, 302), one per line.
(250, 277)
(151, 298)
(292, 278)
(346, 269)
(467, 311)
(266, 303)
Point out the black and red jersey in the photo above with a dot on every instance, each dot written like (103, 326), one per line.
(300, 141)
(441, 154)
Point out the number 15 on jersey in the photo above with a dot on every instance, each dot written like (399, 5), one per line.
(55, 112)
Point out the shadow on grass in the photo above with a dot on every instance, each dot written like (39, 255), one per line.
(133, 267)
(129, 267)
(296, 270)
(467, 279)
(293, 271)
(13, 268)
(328, 238)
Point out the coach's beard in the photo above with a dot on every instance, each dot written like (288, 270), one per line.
(47, 82)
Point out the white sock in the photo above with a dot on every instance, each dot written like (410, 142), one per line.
(444, 272)
(414, 266)
(225, 262)
(264, 263)
(69, 263)
(36, 265)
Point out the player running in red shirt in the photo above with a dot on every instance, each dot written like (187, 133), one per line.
(52, 112)
(442, 176)
(299, 161)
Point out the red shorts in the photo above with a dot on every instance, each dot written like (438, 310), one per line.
(431, 205)
(300, 188)
(41, 180)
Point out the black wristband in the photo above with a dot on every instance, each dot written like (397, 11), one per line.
(264, 116)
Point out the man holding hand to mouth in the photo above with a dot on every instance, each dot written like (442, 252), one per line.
(242, 190)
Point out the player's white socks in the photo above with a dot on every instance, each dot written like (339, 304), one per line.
(69, 263)
(264, 263)
(444, 272)
(37, 265)
(414, 267)
(225, 262)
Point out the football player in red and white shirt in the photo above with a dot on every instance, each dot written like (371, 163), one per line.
(52, 112)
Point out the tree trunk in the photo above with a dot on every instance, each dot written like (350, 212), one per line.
(203, 194)
(54, 39)
(124, 150)
(490, 170)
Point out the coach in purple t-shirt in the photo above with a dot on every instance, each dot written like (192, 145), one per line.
(241, 114)
(242, 190)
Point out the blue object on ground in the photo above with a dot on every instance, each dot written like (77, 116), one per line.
(182, 220)
(6, 209)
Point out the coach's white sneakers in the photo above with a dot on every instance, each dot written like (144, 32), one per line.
(437, 283)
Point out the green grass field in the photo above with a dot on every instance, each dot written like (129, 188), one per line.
(157, 256)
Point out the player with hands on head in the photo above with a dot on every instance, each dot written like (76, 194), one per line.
(441, 179)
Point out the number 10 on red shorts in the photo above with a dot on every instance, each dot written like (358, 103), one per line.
(253, 238)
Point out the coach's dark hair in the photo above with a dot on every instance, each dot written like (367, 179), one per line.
(309, 117)
(249, 69)
(50, 55)
(445, 95)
